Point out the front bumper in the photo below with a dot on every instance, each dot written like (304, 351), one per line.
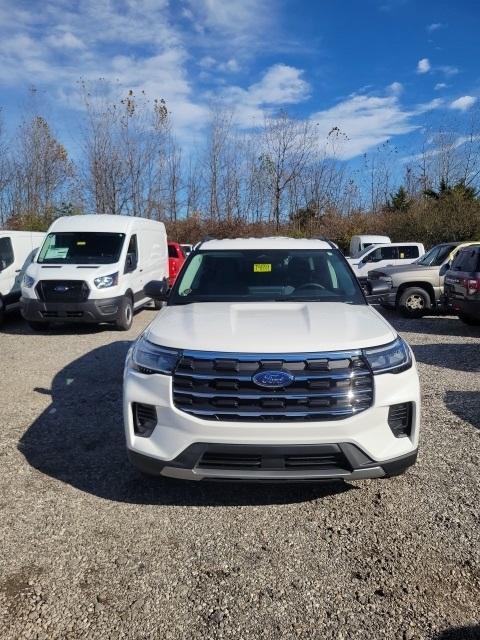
(180, 439)
(353, 465)
(90, 311)
(469, 308)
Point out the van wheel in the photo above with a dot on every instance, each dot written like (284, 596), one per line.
(414, 302)
(38, 326)
(472, 322)
(125, 314)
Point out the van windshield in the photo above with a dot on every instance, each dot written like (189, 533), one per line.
(81, 248)
(266, 275)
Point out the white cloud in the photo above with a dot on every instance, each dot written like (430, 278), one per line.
(367, 121)
(440, 85)
(231, 66)
(448, 70)
(423, 65)
(463, 103)
(65, 40)
(207, 62)
(280, 85)
(396, 88)
(435, 26)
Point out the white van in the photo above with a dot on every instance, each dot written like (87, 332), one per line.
(382, 255)
(358, 244)
(17, 249)
(92, 268)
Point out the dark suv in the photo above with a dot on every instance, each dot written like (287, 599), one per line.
(462, 285)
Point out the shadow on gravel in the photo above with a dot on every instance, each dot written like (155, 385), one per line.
(465, 405)
(459, 633)
(79, 440)
(457, 356)
(431, 325)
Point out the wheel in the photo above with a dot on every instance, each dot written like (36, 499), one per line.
(2, 311)
(38, 326)
(125, 314)
(414, 302)
(473, 322)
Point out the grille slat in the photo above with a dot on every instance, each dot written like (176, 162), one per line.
(270, 460)
(326, 386)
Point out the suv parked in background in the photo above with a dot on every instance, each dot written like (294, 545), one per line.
(397, 253)
(462, 285)
(417, 288)
(267, 363)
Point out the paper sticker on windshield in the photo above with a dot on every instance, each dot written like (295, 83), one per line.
(262, 268)
(81, 243)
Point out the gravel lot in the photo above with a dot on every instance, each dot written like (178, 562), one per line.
(90, 549)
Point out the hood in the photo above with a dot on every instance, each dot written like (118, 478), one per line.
(70, 271)
(270, 327)
(404, 268)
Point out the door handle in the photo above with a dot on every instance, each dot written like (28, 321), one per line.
(141, 270)
(17, 270)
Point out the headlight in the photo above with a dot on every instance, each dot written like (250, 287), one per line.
(150, 358)
(391, 358)
(103, 282)
(28, 281)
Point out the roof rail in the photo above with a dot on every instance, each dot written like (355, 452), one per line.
(332, 244)
(204, 239)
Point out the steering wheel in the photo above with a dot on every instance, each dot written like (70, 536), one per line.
(310, 285)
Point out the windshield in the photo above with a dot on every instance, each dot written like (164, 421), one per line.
(366, 247)
(260, 275)
(81, 248)
(436, 256)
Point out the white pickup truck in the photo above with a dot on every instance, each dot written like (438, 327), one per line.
(383, 255)
(267, 363)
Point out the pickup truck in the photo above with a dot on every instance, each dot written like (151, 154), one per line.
(268, 364)
(416, 289)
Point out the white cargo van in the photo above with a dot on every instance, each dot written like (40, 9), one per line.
(92, 268)
(17, 249)
(360, 243)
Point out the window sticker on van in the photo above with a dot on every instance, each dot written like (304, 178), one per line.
(81, 243)
(262, 268)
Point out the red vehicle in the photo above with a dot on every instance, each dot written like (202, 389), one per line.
(176, 258)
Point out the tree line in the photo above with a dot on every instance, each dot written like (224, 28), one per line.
(281, 177)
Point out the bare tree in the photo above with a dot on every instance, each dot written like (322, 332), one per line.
(287, 149)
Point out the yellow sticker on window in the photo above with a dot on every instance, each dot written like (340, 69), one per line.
(81, 243)
(262, 268)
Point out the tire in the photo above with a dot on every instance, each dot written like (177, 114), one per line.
(414, 302)
(38, 326)
(471, 321)
(2, 311)
(125, 314)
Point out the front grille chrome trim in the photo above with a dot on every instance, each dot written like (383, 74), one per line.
(219, 386)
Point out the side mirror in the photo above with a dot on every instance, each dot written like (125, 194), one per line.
(444, 268)
(157, 290)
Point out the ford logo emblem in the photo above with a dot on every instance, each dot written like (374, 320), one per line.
(273, 379)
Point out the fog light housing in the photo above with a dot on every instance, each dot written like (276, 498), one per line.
(144, 419)
(400, 419)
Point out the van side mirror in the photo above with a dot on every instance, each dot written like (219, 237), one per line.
(131, 263)
(157, 290)
(444, 268)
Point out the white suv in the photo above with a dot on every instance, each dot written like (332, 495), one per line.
(267, 363)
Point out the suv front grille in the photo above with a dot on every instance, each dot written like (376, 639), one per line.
(62, 290)
(326, 386)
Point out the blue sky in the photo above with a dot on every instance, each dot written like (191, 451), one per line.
(378, 69)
